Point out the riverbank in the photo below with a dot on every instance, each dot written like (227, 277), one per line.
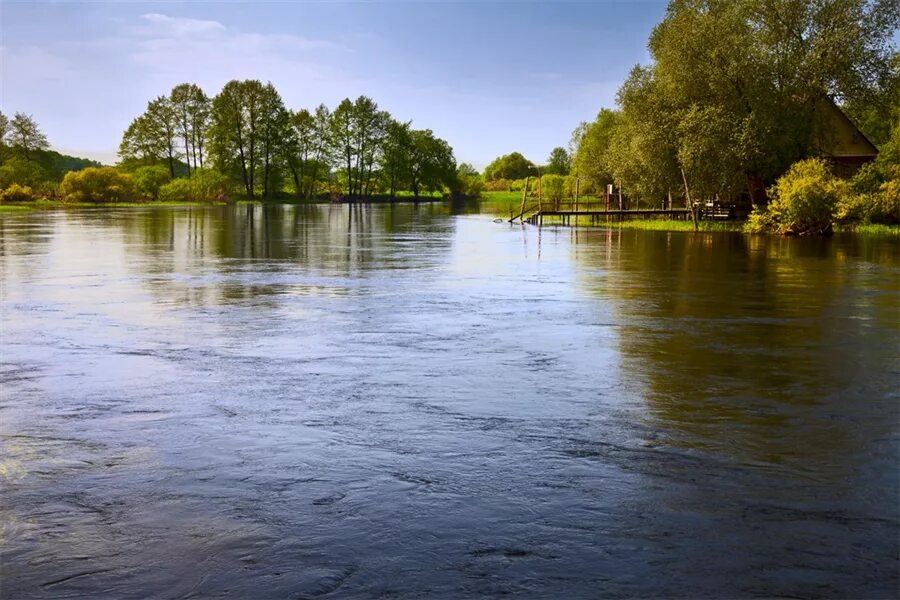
(491, 203)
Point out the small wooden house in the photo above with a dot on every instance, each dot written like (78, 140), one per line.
(841, 141)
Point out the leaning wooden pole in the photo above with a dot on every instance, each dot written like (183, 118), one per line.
(524, 199)
(577, 186)
(687, 193)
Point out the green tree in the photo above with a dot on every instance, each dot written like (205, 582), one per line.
(248, 133)
(468, 180)
(190, 108)
(591, 162)
(5, 130)
(274, 130)
(301, 145)
(357, 132)
(559, 162)
(153, 136)
(432, 165)
(509, 166)
(396, 156)
(762, 69)
(25, 135)
(322, 145)
(149, 179)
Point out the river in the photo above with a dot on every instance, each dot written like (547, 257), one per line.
(397, 401)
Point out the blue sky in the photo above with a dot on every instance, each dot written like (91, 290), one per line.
(489, 77)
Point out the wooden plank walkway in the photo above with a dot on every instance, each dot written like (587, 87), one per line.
(565, 216)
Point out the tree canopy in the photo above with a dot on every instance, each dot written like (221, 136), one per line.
(509, 166)
(735, 90)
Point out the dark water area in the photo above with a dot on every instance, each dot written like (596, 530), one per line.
(325, 401)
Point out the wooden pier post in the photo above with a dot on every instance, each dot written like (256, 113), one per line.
(524, 198)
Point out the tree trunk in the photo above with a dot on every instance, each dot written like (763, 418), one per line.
(687, 193)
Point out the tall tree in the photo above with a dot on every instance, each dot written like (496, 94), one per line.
(274, 132)
(432, 165)
(762, 69)
(343, 137)
(25, 135)
(322, 145)
(559, 162)
(5, 129)
(300, 146)
(234, 130)
(397, 155)
(592, 161)
(153, 136)
(190, 108)
(509, 166)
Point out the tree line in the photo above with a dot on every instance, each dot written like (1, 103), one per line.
(736, 92)
(246, 133)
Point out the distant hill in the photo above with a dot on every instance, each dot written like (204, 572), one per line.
(57, 165)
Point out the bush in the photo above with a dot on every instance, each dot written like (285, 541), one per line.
(803, 200)
(16, 193)
(203, 186)
(23, 172)
(469, 185)
(149, 180)
(553, 187)
(877, 199)
(98, 184)
(497, 185)
(177, 190)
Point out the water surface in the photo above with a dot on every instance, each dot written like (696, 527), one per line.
(294, 402)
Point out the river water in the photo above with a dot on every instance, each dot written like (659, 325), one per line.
(300, 402)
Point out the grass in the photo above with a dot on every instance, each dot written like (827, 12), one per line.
(871, 229)
(29, 205)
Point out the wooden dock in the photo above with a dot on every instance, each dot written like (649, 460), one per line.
(565, 211)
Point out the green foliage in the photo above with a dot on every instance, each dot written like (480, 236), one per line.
(735, 90)
(881, 206)
(559, 162)
(804, 201)
(25, 136)
(16, 193)
(98, 184)
(149, 180)
(593, 160)
(553, 187)
(22, 171)
(204, 185)
(497, 185)
(468, 181)
(509, 166)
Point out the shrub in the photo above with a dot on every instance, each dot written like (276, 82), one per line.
(803, 200)
(16, 193)
(877, 200)
(203, 186)
(210, 186)
(150, 179)
(868, 179)
(98, 184)
(22, 172)
(497, 185)
(553, 187)
(177, 190)
(469, 185)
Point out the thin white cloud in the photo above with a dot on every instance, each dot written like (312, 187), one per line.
(169, 50)
(180, 26)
